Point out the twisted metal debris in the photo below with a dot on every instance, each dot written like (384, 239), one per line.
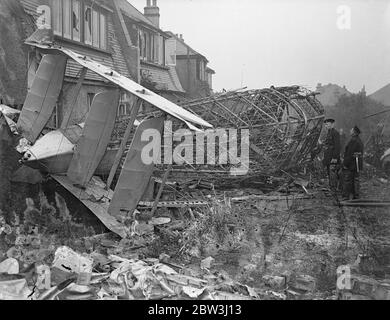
(285, 123)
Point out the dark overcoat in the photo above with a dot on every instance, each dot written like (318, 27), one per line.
(331, 147)
(355, 145)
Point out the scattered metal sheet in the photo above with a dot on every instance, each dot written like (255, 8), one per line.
(92, 146)
(42, 97)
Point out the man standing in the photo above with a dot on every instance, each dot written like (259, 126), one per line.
(352, 165)
(331, 152)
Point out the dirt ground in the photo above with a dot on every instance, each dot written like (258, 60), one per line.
(313, 238)
(248, 240)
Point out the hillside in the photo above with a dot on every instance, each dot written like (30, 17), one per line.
(382, 95)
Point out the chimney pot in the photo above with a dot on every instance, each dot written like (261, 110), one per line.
(152, 12)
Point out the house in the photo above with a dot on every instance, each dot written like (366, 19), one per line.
(330, 94)
(191, 66)
(142, 31)
(88, 28)
(111, 32)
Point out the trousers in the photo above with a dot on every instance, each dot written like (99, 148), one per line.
(351, 184)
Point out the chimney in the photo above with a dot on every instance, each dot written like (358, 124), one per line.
(152, 12)
(181, 37)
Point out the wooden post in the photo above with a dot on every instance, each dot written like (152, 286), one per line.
(73, 100)
(122, 148)
(163, 182)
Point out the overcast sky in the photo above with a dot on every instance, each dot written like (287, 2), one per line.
(259, 43)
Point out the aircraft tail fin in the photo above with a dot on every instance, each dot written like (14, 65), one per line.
(96, 135)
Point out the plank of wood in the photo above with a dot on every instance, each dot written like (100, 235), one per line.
(173, 204)
(271, 198)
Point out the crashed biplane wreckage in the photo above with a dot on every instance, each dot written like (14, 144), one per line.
(284, 125)
(73, 154)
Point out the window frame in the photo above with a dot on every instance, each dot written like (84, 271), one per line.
(79, 22)
(151, 47)
(81, 38)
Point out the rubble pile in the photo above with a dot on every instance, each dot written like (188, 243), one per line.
(286, 246)
(366, 288)
(74, 276)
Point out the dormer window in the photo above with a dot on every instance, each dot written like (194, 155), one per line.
(151, 47)
(80, 21)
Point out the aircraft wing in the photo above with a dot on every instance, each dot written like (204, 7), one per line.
(131, 86)
(135, 174)
(96, 135)
(42, 97)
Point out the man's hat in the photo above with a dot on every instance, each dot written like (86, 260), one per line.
(330, 120)
(356, 129)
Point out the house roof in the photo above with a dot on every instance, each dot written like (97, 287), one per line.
(209, 70)
(166, 79)
(179, 52)
(134, 14)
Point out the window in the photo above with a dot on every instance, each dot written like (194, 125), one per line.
(88, 25)
(151, 47)
(103, 32)
(66, 16)
(124, 105)
(147, 46)
(200, 71)
(156, 52)
(95, 29)
(170, 52)
(57, 17)
(122, 110)
(76, 25)
(161, 50)
(141, 45)
(75, 20)
(90, 96)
